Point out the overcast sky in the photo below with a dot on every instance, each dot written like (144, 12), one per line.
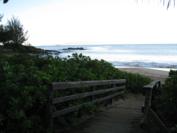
(51, 22)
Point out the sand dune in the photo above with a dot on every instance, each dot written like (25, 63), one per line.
(154, 74)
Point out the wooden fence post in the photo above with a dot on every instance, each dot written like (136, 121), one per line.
(147, 104)
(50, 108)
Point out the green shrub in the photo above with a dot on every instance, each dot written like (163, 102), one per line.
(165, 103)
(24, 81)
(23, 91)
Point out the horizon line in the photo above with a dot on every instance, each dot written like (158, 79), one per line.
(72, 44)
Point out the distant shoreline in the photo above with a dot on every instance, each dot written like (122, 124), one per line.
(145, 56)
(152, 73)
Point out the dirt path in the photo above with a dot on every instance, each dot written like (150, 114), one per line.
(122, 117)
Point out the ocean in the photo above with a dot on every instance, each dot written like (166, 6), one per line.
(155, 56)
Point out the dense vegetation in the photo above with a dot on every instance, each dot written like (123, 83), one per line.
(26, 74)
(24, 81)
(166, 102)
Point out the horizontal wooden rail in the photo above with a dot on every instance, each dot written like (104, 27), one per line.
(86, 94)
(106, 91)
(79, 84)
(153, 85)
(77, 107)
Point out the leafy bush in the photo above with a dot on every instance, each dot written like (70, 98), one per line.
(24, 81)
(23, 90)
(166, 103)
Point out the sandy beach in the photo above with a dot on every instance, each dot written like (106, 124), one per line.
(153, 74)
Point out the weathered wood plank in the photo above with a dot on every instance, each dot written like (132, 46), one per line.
(79, 84)
(77, 107)
(148, 99)
(86, 94)
(152, 85)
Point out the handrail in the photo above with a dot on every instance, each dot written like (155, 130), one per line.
(148, 111)
(85, 94)
(148, 93)
(79, 84)
(113, 88)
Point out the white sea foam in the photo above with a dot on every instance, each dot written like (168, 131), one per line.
(149, 55)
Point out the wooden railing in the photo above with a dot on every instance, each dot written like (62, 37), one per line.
(113, 88)
(151, 119)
